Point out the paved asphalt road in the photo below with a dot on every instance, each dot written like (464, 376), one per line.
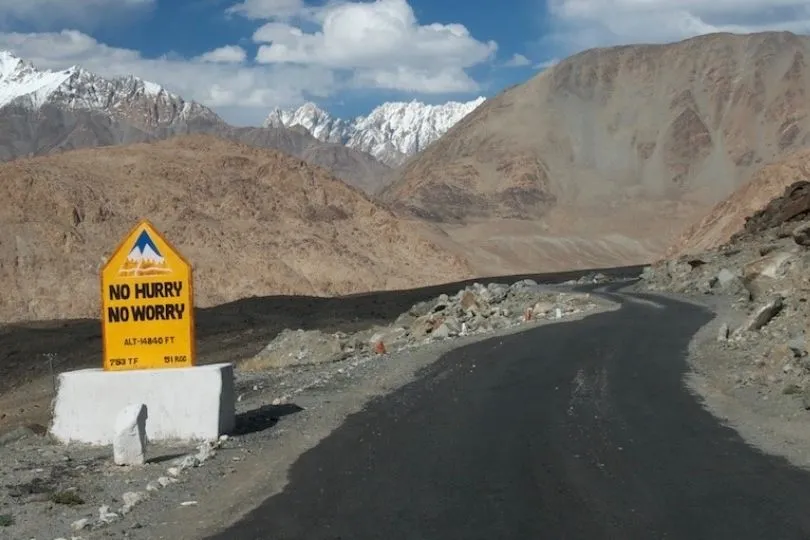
(569, 431)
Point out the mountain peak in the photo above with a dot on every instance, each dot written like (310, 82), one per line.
(143, 104)
(391, 132)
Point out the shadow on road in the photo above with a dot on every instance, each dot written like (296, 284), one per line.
(262, 418)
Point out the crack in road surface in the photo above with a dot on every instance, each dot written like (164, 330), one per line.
(569, 431)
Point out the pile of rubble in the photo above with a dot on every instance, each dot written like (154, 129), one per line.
(764, 271)
(477, 309)
(72, 491)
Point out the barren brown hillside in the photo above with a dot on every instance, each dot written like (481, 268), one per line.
(728, 217)
(251, 221)
(616, 148)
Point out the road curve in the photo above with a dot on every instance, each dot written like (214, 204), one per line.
(567, 431)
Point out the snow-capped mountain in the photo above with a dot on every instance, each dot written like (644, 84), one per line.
(140, 103)
(44, 111)
(391, 132)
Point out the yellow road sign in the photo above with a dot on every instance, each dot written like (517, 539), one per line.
(147, 316)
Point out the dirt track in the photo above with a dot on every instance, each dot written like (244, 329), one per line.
(228, 332)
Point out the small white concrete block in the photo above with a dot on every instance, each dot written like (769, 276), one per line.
(184, 404)
(129, 442)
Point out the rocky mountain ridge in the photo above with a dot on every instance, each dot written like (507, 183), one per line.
(729, 216)
(143, 104)
(611, 138)
(43, 112)
(391, 132)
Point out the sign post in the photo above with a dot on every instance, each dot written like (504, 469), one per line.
(147, 315)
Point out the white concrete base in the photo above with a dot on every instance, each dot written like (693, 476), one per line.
(183, 404)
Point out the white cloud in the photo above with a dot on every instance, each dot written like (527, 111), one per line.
(227, 54)
(246, 92)
(580, 24)
(357, 45)
(270, 9)
(517, 60)
(381, 42)
(50, 14)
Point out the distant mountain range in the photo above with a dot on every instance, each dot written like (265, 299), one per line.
(42, 112)
(391, 133)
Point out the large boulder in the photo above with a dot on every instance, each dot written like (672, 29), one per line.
(762, 275)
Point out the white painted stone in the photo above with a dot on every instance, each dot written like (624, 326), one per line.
(184, 404)
(129, 442)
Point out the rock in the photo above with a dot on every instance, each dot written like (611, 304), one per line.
(205, 451)
(105, 516)
(165, 481)
(187, 462)
(722, 332)
(129, 440)
(726, 277)
(421, 309)
(541, 308)
(442, 332)
(388, 336)
(801, 234)
(80, 524)
(497, 292)
(760, 275)
(806, 398)
(794, 202)
(469, 302)
(524, 286)
(424, 326)
(131, 499)
(762, 316)
(153, 486)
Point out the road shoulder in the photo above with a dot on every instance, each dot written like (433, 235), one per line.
(731, 380)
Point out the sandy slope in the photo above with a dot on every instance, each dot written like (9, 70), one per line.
(252, 221)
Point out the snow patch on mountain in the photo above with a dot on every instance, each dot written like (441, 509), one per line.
(18, 78)
(391, 133)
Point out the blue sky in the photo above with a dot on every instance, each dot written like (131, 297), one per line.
(243, 57)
